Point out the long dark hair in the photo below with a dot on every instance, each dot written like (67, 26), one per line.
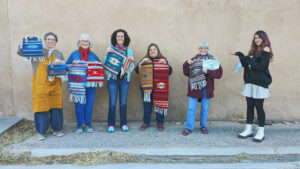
(256, 50)
(159, 55)
(114, 37)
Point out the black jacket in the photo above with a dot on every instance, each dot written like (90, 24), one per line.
(256, 69)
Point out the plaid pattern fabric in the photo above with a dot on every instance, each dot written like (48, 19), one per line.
(161, 87)
(197, 78)
(146, 79)
(32, 48)
(114, 61)
(95, 75)
(77, 82)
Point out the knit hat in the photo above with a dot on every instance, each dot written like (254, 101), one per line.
(204, 44)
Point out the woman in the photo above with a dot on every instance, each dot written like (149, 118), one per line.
(201, 87)
(47, 101)
(257, 78)
(120, 83)
(84, 111)
(153, 52)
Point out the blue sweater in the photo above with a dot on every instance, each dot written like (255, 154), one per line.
(76, 56)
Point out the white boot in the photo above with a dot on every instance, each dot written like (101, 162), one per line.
(247, 132)
(259, 137)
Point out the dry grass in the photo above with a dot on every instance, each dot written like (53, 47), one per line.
(25, 129)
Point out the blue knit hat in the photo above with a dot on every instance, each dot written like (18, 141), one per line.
(204, 44)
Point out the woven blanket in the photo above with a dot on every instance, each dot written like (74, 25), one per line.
(77, 82)
(197, 78)
(161, 87)
(125, 66)
(114, 61)
(95, 75)
(57, 71)
(32, 48)
(146, 79)
(211, 64)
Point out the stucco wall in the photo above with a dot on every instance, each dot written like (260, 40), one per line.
(177, 26)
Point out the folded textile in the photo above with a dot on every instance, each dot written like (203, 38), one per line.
(114, 61)
(32, 48)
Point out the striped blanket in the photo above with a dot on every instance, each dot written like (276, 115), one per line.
(95, 75)
(197, 78)
(114, 61)
(77, 82)
(57, 71)
(161, 87)
(146, 79)
(32, 48)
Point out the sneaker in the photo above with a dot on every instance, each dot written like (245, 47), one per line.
(41, 137)
(204, 130)
(111, 129)
(88, 129)
(186, 132)
(125, 128)
(160, 127)
(144, 127)
(79, 131)
(58, 133)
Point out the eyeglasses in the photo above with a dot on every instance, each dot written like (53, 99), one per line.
(50, 39)
(85, 41)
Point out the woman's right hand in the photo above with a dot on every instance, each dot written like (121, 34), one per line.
(190, 61)
(110, 50)
(75, 62)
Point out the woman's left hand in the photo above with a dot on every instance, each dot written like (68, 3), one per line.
(162, 61)
(131, 58)
(205, 71)
(96, 62)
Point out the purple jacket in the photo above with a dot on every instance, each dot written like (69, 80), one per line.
(210, 76)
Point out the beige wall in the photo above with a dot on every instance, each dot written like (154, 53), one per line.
(177, 26)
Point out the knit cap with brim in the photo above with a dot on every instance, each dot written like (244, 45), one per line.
(204, 44)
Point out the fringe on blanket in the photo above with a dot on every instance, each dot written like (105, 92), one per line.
(161, 111)
(77, 99)
(63, 78)
(198, 85)
(147, 97)
(35, 59)
(94, 84)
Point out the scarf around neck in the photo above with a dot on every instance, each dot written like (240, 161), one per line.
(84, 53)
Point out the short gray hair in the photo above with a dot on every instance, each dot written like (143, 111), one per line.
(85, 35)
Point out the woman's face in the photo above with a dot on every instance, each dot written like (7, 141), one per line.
(85, 43)
(203, 51)
(153, 52)
(120, 38)
(50, 42)
(257, 40)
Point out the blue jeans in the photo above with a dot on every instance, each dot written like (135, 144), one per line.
(84, 112)
(192, 110)
(148, 110)
(42, 119)
(113, 86)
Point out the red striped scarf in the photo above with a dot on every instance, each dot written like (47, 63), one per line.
(161, 86)
(95, 75)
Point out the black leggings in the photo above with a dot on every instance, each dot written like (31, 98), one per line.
(259, 104)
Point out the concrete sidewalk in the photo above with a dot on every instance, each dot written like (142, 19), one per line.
(221, 140)
(8, 122)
